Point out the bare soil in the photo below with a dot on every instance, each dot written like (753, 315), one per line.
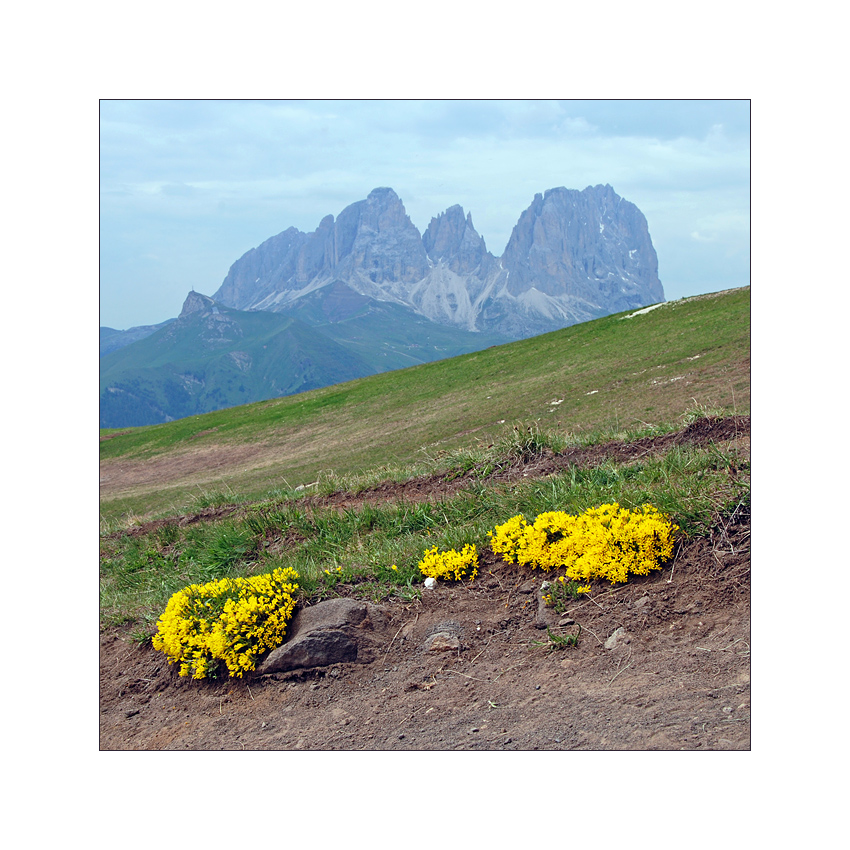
(662, 663)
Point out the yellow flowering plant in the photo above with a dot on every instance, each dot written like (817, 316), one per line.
(607, 542)
(451, 564)
(231, 621)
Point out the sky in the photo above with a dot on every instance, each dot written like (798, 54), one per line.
(188, 186)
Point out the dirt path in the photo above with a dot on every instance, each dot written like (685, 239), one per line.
(732, 430)
(677, 675)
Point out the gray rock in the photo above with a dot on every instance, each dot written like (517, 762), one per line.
(443, 637)
(546, 616)
(442, 642)
(451, 239)
(194, 303)
(616, 637)
(591, 245)
(332, 632)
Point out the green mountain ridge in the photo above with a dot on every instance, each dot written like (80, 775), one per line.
(213, 357)
(217, 358)
(112, 339)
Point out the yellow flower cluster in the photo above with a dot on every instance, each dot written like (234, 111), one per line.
(232, 620)
(452, 564)
(607, 542)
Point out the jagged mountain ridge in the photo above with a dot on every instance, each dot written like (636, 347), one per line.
(572, 256)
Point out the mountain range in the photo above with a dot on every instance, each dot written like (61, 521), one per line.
(572, 256)
(366, 292)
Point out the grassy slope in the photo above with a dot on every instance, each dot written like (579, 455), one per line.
(612, 373)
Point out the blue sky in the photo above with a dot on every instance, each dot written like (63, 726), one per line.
(187, 187)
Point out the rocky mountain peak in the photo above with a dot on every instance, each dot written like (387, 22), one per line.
(451, 238)
(383, 194)
(376, 242)
(382, 210)
(591, 244)
(572, 256)
(195, 302)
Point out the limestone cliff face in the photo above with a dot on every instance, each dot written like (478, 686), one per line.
(264, 271)
(379, 244)
(573, 256)
(452, 239)
(591, 245)
(373, 245)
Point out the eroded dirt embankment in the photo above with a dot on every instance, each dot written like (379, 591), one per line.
(663, 662)
(439, 485)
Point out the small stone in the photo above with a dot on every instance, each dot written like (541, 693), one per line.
(727, 709)
(615, 638)
(442, 642)
(131, 712)
(430, 583)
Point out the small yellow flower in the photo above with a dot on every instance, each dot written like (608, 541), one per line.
(451, 564)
